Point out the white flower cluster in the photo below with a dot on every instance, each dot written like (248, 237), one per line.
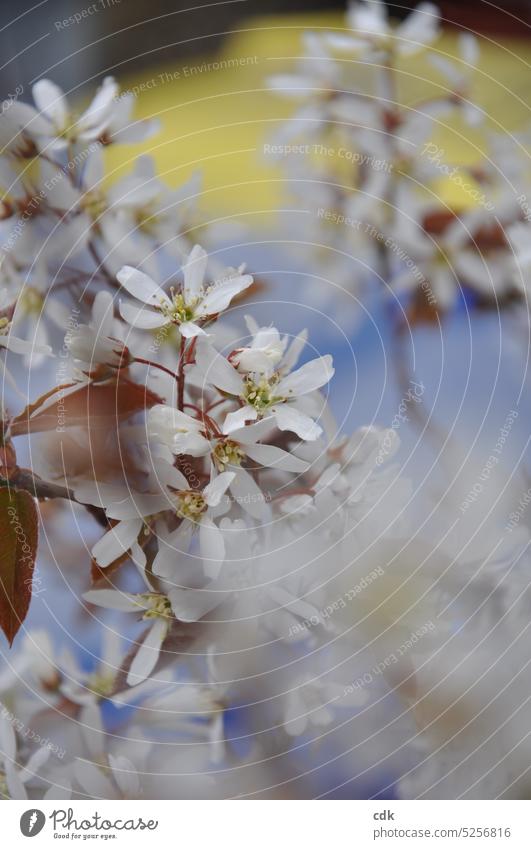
(235, 506)
(250, 590)
(369, 169)
(62, 222)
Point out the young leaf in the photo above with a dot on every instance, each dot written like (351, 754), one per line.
(91, 405)
(18, 548)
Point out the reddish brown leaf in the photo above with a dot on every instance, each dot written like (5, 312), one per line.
(421, 310)
(8, 460)
(31, 408)
(93, 405)
(18, 549)
(437, 221)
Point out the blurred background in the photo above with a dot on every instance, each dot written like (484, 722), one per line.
(125, 36)
(202, 70)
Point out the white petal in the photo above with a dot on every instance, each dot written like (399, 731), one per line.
(133, 509)
(141, 317)
(164, 421)
(221, 295)
(168, 475)
(116, 542)
(296, 504)
(212, 546)
(344, 42)
(34, 764)
(102, 313)
(447, 69)
(99, 494)
(141, 286)
(295, 719)
(237, 419)
(191, 605)
(61, 194)
(115, 600)
(468, 48)
(100, 110)
(368, 18)
(419, 28)
(189, 330)
(138, 557)
(91, 724)
(296, 606)
(276, 458)
(251, 433)
(294, 351)
(307, 378)
(290, 418)
(248, 495)
(50, 99)
(125, 775)
(8, 743)
(15, 786)
(111, 650)
(217, 370)
(217, 488)
(138, 131)
(93, 781)
(194, 273)
(20, 346)
(94, 171)
(217, 738)
(147, 655)
(252, 325)
(291, 85)
(170, 546)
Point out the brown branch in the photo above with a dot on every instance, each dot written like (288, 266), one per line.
(180, 377)
(44, 490)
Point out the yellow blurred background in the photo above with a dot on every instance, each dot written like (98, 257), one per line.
(216, 112)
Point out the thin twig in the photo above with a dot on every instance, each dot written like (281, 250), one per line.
(180, 376)
(44, 490)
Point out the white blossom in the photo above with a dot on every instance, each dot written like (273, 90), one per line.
(54, 125)
(279, 393)
(13, 776)
(189, 307)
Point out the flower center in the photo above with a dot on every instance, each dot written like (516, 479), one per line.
(94, 204)
(31, 301)
(178, 310)
(146, 220)
(69, 130)
(101, 684)
(227, 453)
(261, 395)
(4, 326)
(190, 505)
(159, 606)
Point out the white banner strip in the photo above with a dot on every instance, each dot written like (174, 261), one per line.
(255, 825)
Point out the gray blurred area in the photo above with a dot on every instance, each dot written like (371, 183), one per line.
(77, 42)
(49, 38)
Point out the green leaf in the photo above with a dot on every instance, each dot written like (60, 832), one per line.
(18, 548)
